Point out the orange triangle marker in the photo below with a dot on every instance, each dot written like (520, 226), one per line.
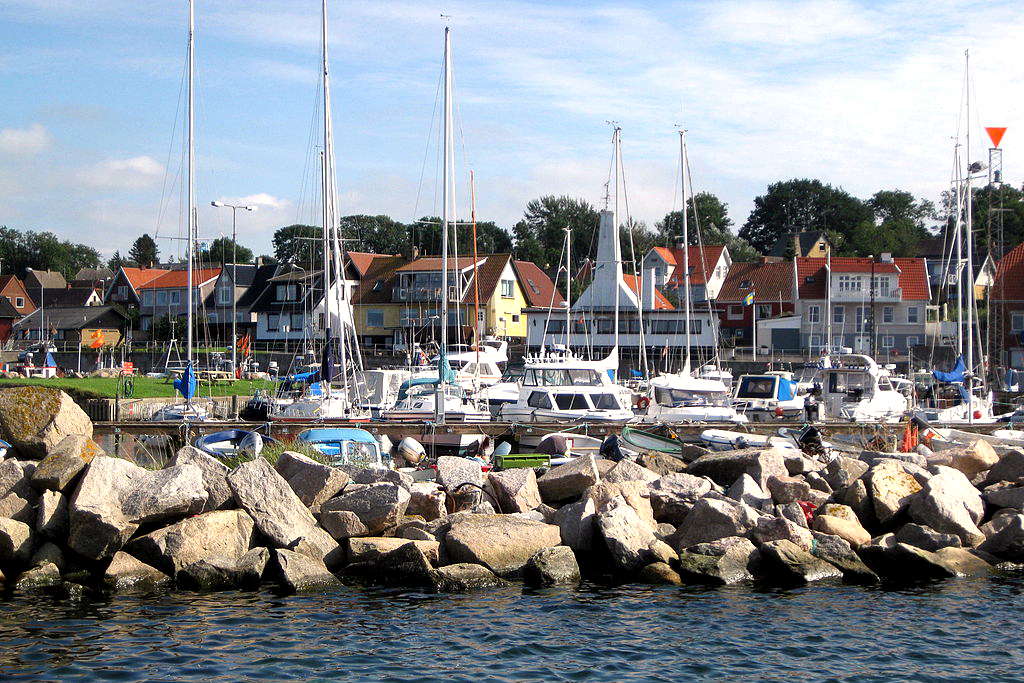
(995, 134)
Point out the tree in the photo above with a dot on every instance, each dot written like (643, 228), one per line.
(896, 227)
(797, 205)
(116, 261)
(490, 239)
(1004, 206)
(44, 251)
(375, 234)
(545, 221)
(636, 234)
(221, 250)
(527, 246)
(708, 222)
(144, 251)
(299, 244)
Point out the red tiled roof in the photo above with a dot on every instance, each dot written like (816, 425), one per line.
(431, 263)
(1009, 282)
(362, 260)
(538, 289)
(140, 276)
(666, 254)
(701, 266)
(660, 302)
(179, 278)
(770, 282)
(913, 275)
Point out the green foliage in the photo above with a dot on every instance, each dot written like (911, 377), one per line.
(44, 251)
(298, 244)
(145, 387)
(222, 250)
(711, 215)
(271, 452)
(116, 261)
(375, 234)
(144, 251)
(998, 208)
(490, 238)
(799, 205)
(540, 236)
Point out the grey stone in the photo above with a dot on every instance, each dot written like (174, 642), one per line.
(891, 489)
(376, 475)
(746, 490)
(793, 512)
(342, 524)
(770, 528)
(859, 500)
(785, 562)
(502, 543)
(225, 573)
(659, 574)
(515, 490)
(972, 459)
(313, 482)
(270, 501)
(712, 519)
(14, 506)
(627, 470)
(52, 515)
(219, 534)
(172, 492)
(36, 419)
(726, 561)
(926, 538)
(552, 566)
(300, 572)
(950, 504)
(788, 489)
(725, 468)
(125, 572)
(44, 575)
(371, 549)
(48, 552)
(626, 535)
(1009, 468)
(63, 463)
(667, 463)
(798, 463)
(15, 542)
(577, 525)
(379, 506)
(427, 499)
(214, 475)
(847, 528)
(839, 553)
(464, 576)
(818, 482)
(672, 496)
(873, 458)
(98, 526)
(1000, 496)
(1007, 543)
(635, 493)
(999, 521)
(14, 479)
(569, 480)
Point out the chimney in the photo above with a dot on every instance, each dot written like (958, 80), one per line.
(796, 244)
(259, 261)
(647, 301)
(886, 257)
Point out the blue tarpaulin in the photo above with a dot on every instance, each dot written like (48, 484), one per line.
(954, 375)
(186, 385)
(786, 389)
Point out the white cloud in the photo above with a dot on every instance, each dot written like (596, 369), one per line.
(31, 140)
(123, 174)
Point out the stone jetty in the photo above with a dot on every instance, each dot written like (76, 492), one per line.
(74, 519)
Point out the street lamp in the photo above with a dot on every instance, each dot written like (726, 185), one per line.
(234, 270)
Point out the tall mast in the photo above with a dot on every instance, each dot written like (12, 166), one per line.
(446, 215)
(969, 227)
(617, 267)
(568, 285)
(191, 201)
(686, 247)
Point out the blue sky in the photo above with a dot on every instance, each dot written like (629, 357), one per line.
(862, 95)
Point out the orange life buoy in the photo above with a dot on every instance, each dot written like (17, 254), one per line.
(643, 402)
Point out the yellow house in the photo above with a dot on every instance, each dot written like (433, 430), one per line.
(398, 299)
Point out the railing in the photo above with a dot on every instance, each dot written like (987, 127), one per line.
(864, 295)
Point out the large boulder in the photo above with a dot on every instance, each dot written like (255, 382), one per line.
(98, 525)
(850, 530)
(36, 419)
(712, 519)
(378, 506)
(1003, 495)
(627, 470)
(464, 576)
(746, 490)
(674, 495)
(224, 573)
(974, 459)
(299, 572)
(667, 463)
(515, 490)
(273, 506)
(785, 562)
(725, 468)
(552, 566)
(462, 479)
(214, 474)
(770, 528)
(577, 525)
(126, 572)
(950, 504)
(627, 536)
(891, 489)
(13, 506)
(838, 552)
(926, 538)
(786, 489)
(171, 492)
(64, 462)
(219, 534)
(502, 543)
(569, 480)
(427, 500)
(313, 482)
(1009, 468)
(725, 561)
(659, 574)
(371, 549)
(15, 478)
(342, 524)
(635, 493)
(1007, 543)
(52, 515)
(15, 542)
(376, 475)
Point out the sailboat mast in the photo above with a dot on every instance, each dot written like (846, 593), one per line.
(191, 200)
(686, 248)
(616, 143)
(568, 284)
(969, 227)
(446, 215)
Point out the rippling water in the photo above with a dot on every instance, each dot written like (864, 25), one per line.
(953, 630)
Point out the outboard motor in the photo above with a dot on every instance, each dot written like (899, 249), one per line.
(610, 449)
(411, 450)
(251, 442)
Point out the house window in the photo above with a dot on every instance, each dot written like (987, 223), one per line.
(147, 298)
(764, 311)
(145, 323)
(887, 314)
(913, 341)
(815, 341)
(298, 321)
(374, 317)
(888, 341)
(175, 297)
(19, 302)
(273, 322)
(814, 314)
(696, 325)
(913, 314)
(1017, 321)
(746, 284)
(506, 289)
(849, 283)
(839, 315)
(212, 318)
(161, 298)
(735, 312)
(224, 296)
(515, 318)
(862, 314)
(122, 291)
(287, 292)
(883, 285)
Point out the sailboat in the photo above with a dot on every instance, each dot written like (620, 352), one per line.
(340, 355)
(187, 384)
(440, 398)
(681, 397)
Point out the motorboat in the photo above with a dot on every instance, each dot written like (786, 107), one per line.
(345, 446)
(681, 397)
(418, 397)
(498, 395)
(855, 389)
(231, 442)
(565, 388)
(180, 412)
(713, 372)
(768, 396)
(727, 440)
(667, 443)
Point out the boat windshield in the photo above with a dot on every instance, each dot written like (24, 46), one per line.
(561, 377)
(681, 398)
(604, 402)
(756, 387)
(362, 454)
(571, 402)
(856, 385)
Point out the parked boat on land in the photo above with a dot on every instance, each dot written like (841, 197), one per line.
(231, 442)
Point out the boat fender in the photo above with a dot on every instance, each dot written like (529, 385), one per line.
(778, 411)
(411, 450)
(643, 402)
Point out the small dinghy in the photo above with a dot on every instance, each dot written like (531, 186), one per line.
(727, 440)
(345, 445)
(231, 442)
(645, 440)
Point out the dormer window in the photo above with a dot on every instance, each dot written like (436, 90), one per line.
(746, 284)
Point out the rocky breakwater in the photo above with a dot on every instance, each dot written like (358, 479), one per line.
(73, 519)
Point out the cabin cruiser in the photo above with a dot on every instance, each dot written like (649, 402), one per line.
(683, 398)
(769, 396)
(854, 388)
(562, 387)
(417, 401)
(345, 446)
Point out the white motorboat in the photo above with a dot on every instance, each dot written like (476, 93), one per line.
(854, 388)
(727, 440)
(682, 398)
(417, 402)
(769, 396)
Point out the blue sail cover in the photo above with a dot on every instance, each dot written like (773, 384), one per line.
(49, 362)
(186, 385)
(445, 374)
(954, 375)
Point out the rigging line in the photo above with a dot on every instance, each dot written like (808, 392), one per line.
(426, 152)
(641, 348)
(311, 152)
(703, 262)
(161, 206)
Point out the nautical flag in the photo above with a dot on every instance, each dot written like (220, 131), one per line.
(186, 385)
(748, 299)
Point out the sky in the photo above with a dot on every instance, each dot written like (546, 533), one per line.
(862, 95)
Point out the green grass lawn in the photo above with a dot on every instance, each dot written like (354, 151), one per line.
(145, 387)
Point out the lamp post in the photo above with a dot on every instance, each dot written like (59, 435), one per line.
(234, 271)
